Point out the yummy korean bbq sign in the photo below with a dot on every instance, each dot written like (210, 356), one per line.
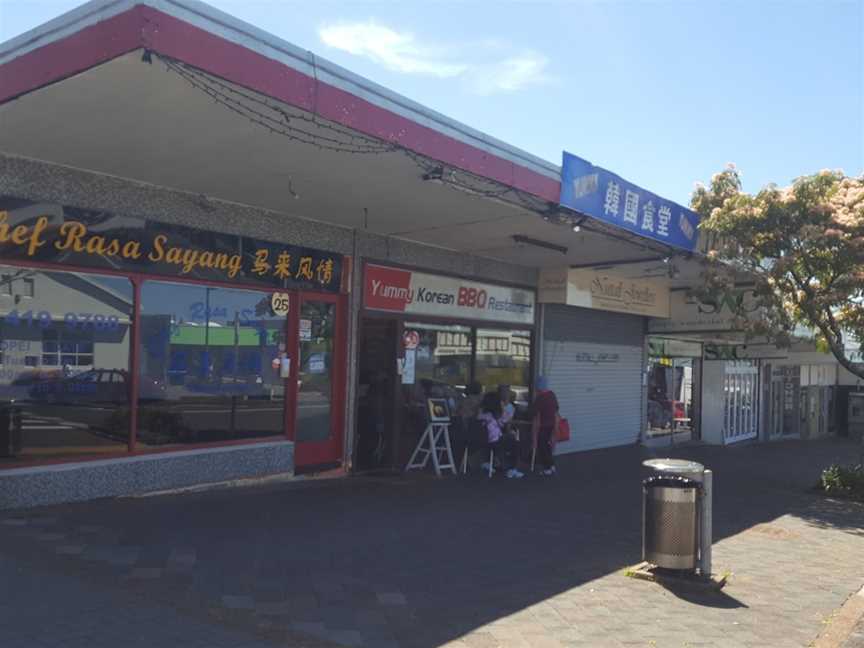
(602, 195)
(415, 293)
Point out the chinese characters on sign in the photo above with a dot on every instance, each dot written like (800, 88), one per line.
(600, 194)
(79, 237)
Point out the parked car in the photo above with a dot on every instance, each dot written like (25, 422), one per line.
(20, 387)
(96, 386)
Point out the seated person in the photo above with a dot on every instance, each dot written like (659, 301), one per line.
(503, 444)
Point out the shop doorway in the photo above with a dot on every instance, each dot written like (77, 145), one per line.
(673, 399)
(317, 335)
(783, 399)
(446, 358)
(376, 397)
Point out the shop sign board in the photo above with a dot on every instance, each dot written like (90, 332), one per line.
(603, 291)
(305, 328)
(416, 293)
(596, 358)
(280, 303)
(731, 352)
(605, 196)
(70, 236)
(714, 314)
(317, 365)
(666, 348)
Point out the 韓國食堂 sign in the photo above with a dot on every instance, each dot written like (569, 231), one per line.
(605, 196)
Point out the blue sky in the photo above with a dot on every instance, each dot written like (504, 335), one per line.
(663, 93)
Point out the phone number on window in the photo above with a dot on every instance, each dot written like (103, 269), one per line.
(71, 320)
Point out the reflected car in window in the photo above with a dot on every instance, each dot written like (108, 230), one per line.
(95, 385)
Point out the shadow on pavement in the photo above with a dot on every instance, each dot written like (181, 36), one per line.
(713, 599)
(416, 561)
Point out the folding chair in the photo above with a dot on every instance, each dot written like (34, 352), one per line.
(475, 431)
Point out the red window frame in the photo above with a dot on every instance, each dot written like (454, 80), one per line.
(306, 454)
(331, 450)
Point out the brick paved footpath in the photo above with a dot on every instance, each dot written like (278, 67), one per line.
(420, 562)
(856, 639)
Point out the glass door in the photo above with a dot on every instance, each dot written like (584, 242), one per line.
(318, 408)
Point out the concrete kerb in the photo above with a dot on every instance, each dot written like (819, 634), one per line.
(840, 625)
(250, 482)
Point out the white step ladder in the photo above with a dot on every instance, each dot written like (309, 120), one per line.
(434, 444)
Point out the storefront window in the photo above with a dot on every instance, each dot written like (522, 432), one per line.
(64, 364)
(671, 390)
(316, 362)
(206, 365)
(504, 358)
(443, 359)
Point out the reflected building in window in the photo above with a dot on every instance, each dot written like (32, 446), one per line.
(64, 368)
(206, 365)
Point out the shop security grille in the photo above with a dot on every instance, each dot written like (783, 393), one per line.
(741, 401)
(593, 360)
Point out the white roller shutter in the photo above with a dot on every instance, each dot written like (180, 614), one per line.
(593, 361)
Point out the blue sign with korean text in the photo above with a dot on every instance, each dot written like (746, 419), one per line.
(603, 195)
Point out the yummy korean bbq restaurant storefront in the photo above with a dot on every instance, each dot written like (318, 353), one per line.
(121, 336)
(426, 336)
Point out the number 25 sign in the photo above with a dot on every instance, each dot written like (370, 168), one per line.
(280, 303)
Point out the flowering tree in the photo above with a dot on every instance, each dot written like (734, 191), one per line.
(802, 246)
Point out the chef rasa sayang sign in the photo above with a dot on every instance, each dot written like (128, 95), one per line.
(101, 240)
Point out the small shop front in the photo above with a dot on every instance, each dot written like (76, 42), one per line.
(725, 389)
(594, 350)
(674, 375)
(123, 336)
(431, 336)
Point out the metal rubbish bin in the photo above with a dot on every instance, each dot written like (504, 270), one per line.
(670, 514)
(10, 430)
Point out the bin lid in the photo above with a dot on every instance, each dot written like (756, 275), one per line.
(666, 481)
(675, 466)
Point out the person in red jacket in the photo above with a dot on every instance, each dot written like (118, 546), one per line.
(545, 425)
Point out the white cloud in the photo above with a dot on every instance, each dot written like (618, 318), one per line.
(396, 51)
(511, 74)
(486, 73)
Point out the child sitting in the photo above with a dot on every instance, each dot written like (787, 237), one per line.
(504, 445)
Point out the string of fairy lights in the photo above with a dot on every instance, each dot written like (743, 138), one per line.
(273, 118)
(310, 129)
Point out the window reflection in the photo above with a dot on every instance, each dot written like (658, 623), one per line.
(64, 363)
(442, 370)
(504, 358)
(316, 361)
(206, 365)
(443, 360)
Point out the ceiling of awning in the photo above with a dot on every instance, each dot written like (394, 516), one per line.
(146, 121)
